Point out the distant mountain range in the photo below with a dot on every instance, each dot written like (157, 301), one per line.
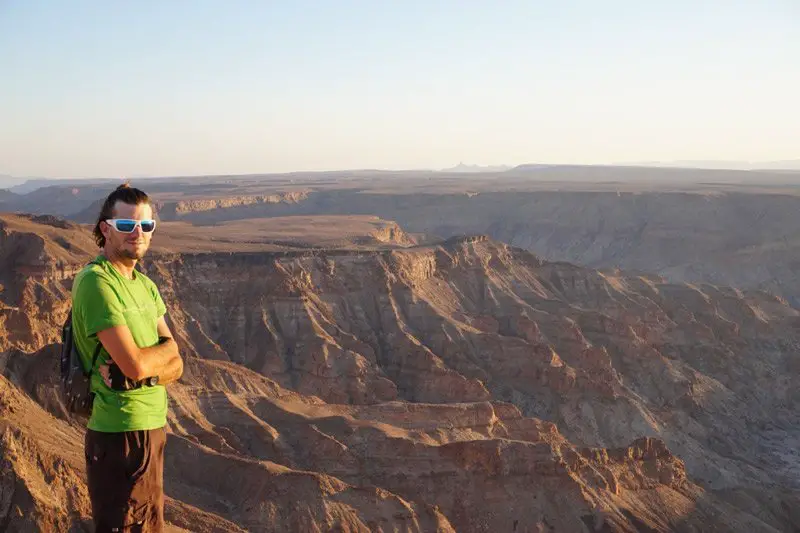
(461, 167)
(24, 185)
(790, 164)
(6, 181)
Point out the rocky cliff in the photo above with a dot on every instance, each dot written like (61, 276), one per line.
(744, 239)
(465, 386)
(170, 210)
(722, 227)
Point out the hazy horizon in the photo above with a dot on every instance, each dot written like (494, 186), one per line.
(149, 89)
(786, 165)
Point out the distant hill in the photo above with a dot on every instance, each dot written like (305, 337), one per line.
(651, 174)
(6, 181)
(27, 185)
(790, 164)
(461, 167)
(7, 199)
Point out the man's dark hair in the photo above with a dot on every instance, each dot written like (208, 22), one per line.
(124, 193)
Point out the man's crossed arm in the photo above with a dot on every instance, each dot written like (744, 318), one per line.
(162, 360)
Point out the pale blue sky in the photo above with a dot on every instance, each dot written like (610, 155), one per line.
(121, 88)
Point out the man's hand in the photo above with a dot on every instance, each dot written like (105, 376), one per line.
(105, 371)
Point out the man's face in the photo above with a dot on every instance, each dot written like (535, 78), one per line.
(128, 245)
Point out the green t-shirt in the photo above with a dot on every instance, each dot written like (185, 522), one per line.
(102, 298)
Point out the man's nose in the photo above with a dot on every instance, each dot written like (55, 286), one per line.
(137, 230)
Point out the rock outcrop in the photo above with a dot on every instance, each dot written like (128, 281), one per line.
(172, 210)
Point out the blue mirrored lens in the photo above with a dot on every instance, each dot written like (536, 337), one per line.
(126, 226)
(148, 225)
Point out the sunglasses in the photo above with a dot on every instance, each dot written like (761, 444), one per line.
(126, 225)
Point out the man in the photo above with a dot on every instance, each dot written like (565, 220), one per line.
(119, 307)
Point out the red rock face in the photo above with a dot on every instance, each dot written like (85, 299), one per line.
(467, 386)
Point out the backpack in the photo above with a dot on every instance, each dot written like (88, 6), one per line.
(75, 379)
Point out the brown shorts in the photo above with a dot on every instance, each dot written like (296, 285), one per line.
(126, 480)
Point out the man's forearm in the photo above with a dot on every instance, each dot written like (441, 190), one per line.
(171, 371)
(162, 360)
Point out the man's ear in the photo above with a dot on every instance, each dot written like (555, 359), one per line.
(105, 229)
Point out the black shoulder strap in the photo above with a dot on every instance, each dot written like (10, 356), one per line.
(99, 344)
(96, 355)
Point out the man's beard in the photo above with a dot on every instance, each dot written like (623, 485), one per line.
(128, 254)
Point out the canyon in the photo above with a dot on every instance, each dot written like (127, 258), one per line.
(462, 357)
(734, 228)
